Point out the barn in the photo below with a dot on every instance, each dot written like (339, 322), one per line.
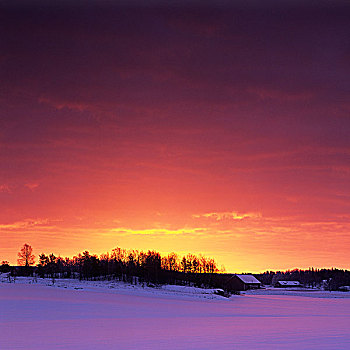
(287, 284)
(243, 282)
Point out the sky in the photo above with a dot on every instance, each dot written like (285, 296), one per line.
(219, 128)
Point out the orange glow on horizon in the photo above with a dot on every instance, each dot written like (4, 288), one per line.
(241, 243)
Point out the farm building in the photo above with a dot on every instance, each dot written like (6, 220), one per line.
(243, 282)
(287, 284)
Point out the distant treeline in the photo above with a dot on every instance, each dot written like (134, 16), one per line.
(131, 266)
(331, 279)
(139, 267)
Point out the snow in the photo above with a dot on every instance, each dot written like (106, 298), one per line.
(114, 286)
(111, 315)
(289, 283)
(248, 278)
(299, 292)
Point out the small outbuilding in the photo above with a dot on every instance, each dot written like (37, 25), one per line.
(287, 284)
(243, 282)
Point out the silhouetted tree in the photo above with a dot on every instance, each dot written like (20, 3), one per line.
(131, 266)
(43, 265)
(26, 256)
(5, 266)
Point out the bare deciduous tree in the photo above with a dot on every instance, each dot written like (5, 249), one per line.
(25, 256)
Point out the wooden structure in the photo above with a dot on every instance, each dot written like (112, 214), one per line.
(287, 284)
(242, 282)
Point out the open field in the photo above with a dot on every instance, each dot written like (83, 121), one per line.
(89, 315)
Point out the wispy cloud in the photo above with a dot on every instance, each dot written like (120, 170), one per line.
(32, 186)
(227, 215)
(158, 231)
(61, 105)
(27, 224)
(265, 93)
(5, 188)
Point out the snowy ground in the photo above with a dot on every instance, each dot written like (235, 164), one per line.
(301, 292)
(106, 315)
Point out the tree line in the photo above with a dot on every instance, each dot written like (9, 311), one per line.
(137, 266)
(330, 279)
(133, 266)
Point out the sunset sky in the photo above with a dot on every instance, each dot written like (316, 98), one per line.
(220, 128)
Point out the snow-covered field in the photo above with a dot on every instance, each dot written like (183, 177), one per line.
(109, 315)
(300, 292)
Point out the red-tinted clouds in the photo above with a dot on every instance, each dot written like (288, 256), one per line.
(116, 118)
